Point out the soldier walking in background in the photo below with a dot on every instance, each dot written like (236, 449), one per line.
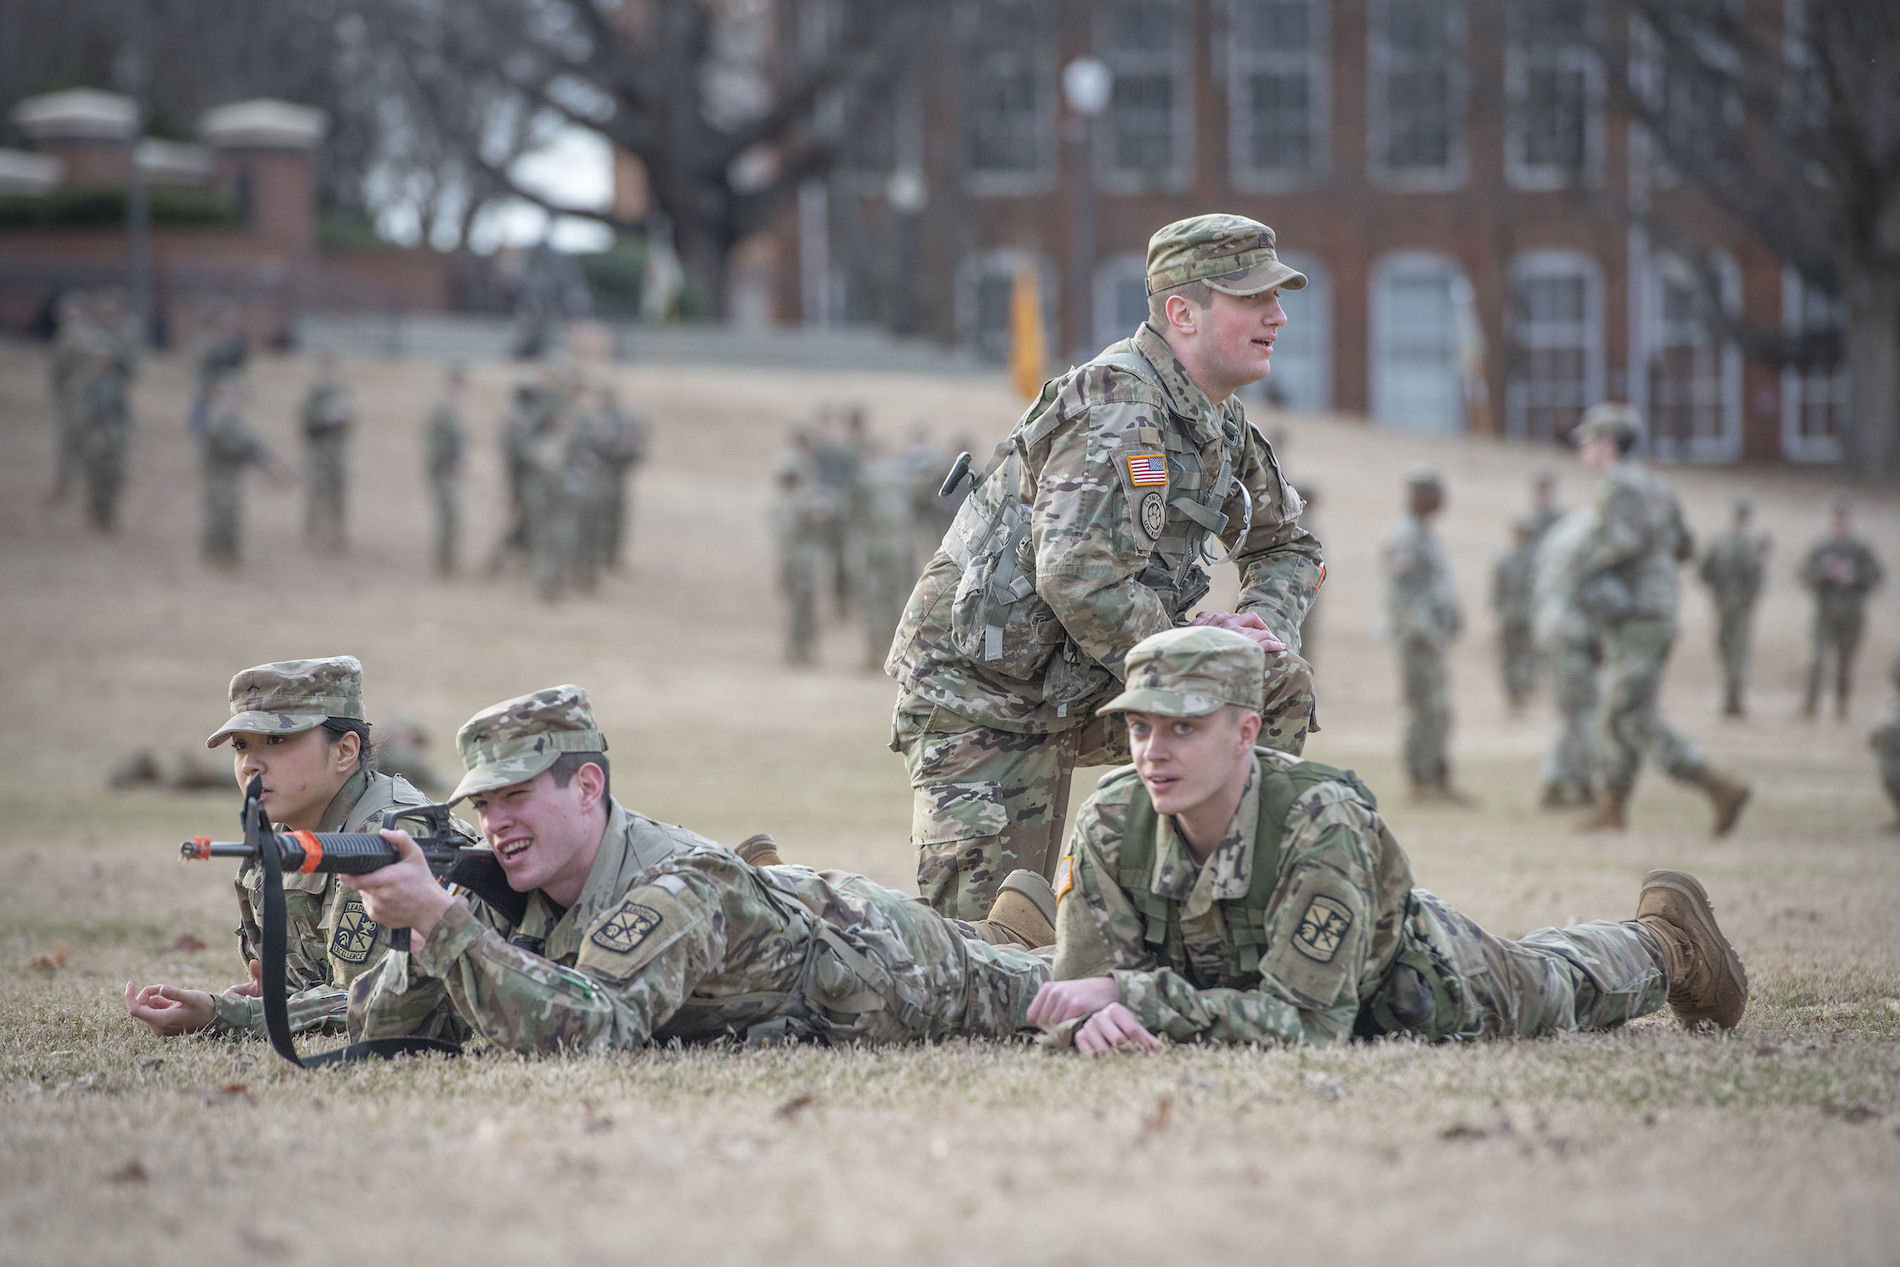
(1627, 580)
(839, 459)
(1572, 643)
(1422, 614)
(1544, 511)
(1841, 570)
(1732, 567)
(227, 447)
(329, 411)
(1885, 742)
(444, 445)
(553, 476)
(533, 398)
(625, 452)
(67, 370)
(1513, 581)
(801, 512)
(223, 353)
(886, 557)
(106, 419)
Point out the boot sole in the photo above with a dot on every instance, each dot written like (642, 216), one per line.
(1690, 887)
(1726, 823)
(1034, 886)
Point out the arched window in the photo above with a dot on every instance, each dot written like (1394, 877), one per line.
(1421, 335)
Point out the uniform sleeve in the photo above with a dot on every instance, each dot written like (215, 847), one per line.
(323, 1009)
(1097, 928)
(1280, 562)
(1088, 548)
(1620, 533)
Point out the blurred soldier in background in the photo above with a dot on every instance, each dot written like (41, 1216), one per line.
(616, 441)
(443, 446)
(533, 398)
(222, 353)
(556, 467)
(1544, 511)
(1513, 582)
(402, 751)
(227, 447)
(839, 458)
(67, 369)
(1422, 614)
(801, 512)
(1309, 493)
(925, 465)
(1627, 580)
(111, 356)
(887, 559)
(1572, 643)
(1885, 742)
(1841, 570)
(1732, 567)
(329, 411)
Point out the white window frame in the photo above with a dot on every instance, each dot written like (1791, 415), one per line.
(1111, 272)
(1180, 66)
(995, 182)
(1316, 61)
(1797, 385)
(1004, 261)
(1727, 447)
(1531, 265)
(1397, 265)
(1518, 61)
(1380, 61)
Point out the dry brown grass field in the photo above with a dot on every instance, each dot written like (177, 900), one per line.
(1777, 1143)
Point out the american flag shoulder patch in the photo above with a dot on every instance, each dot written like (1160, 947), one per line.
(1147, 470)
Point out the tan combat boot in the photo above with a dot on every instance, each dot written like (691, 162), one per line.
(1024, 913)
(1727, 795)
(759, 850)
(1706, 979)
(1609, 815)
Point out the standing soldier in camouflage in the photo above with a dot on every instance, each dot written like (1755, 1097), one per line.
(1421, 605)
(1572, 642)
(1627, 581)
(329, 411)
(800, 513)
(1218, 892)
(1841, 570)
(106, 421)
(300, 725)
(630, 932)
(1544, 511)
(444, 445)
(533, 398)
(226, 449)
(1086, 534)
(222, 354)
(1885, 742)
(1732, 568)
(67, 367)
(886, 558)
(556, 469)
(622, 449)
(838, 458)
(1513, 582)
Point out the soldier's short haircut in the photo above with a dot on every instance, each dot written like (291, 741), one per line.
(1200, 294)
(1624, 443)
(569, 763)
(334, 728)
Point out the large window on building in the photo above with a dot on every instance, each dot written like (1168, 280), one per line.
(985, 283)
(1554, 366)
(1145, 139)
(1421, 325)
(1121, 297)
(1813, 400)
(1690, 88)
(1554, 87)
(1694, 378)
(1009, 86)
(1302, 376)
(1276, 53)
(1417, 86)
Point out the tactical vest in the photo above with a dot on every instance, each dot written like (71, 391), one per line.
(1244, 919)
(998, 619)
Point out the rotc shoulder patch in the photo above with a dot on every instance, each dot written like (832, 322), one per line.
(1147, 470)
(1154, 514)
(1322, 929)
(627, 927)
(355, 934)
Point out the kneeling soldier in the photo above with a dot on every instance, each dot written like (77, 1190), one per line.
(631, 932)
(1220, 892)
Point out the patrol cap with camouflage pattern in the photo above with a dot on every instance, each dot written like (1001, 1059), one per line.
(1192, 671)
(517, 739)
(291, 696)
(1609, 419)
(1232, 254)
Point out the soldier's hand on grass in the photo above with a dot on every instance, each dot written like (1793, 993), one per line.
(1059, 1001)
(252, 989)
(1242, 623)
(403, 894)
(1112, 1028)
(169, 1010)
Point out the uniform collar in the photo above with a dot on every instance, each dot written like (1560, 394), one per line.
(1185, 399)
(599, 891)
(1228, 872)
(337, 813)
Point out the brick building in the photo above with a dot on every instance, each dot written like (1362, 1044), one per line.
(1445, 171)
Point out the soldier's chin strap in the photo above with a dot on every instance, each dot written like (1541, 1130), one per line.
(259, 833)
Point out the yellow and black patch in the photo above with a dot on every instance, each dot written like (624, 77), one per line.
(627, 927)
(1322, 930)
(355, 934)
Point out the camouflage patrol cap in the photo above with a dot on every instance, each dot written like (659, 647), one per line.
(1609, 420)
(1425, 477)
(291, 696)
(517, 739)
(1232, 254)
(1192, 671)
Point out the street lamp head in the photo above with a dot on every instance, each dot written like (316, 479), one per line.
(906, 190)
(1086, 85)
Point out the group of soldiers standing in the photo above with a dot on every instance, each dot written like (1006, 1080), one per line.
(95, 354)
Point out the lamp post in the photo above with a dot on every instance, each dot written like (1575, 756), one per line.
(1086, 85)
(138, 211)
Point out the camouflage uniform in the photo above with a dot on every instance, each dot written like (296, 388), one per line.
(1885, 742)
(69, 366)
(222, 356)
(621, 446)
(1302, 924)
(533, 403)
(799, 515)
(329, 411)
(106, 423)
(1841, 572)
(1732, 567)
(1422, 614)
(1081, 540)
(331, 941)
(1573, 644)
(556, 468)
(443, 457)
(837, 463)
(1513, 578)
(674, 937)
(887, 563)
(226, 448)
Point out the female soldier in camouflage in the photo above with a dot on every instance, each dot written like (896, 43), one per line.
(299, 725)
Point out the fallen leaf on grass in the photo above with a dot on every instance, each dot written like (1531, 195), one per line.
(1155, 1120)
(51, 959)
(1464, 1130)
(187, 944)
(790, 1110)
(1853, 1114)
(131, 1172)
(234, 1088)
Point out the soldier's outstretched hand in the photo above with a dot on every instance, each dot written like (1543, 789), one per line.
(1112, 1028)
(169, 1011)
(1242, 623)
